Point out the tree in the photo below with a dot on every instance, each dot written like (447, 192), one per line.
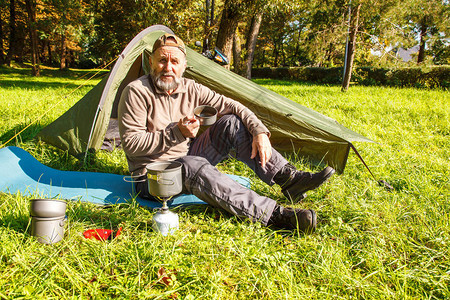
(67, 17)
(322, 30)
(251, 42)
(430, 20)
(2, 51)
(12, 31)
(281, 33)
(185, 17)
(31, 10)
(209, 23)
(351, 45)
(231, 14)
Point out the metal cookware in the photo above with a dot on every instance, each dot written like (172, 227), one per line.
(205, 114)
(47, 208)
(48, 230)
(164, 178)
(47, 220)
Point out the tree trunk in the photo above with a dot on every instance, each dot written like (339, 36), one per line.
(12, 32)
(50, 56)
(236, 53)
(2, 56)
(206, 31)
(251, 43)
(423, 33)
(63, 52)
(31, 10)
(212, 18)
(351, 45)
(275, 55)
(209, 23)
(231, 15)
(297, 45)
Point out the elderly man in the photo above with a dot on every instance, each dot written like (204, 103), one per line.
(156, 123)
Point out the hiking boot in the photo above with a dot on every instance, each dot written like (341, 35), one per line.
(292, 218)
(294, 183)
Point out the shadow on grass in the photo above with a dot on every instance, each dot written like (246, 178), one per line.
(38, 85)
(25, 70)
(19, 223)
(25, 136)
(26, 81)
(99, 216)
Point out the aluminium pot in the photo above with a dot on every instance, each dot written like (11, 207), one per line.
(48, 230)
(164, 178)
(47, 208)
(205, 114)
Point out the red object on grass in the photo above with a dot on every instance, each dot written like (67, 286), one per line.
(101, 234)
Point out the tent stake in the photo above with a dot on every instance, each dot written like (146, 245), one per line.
(381, 182)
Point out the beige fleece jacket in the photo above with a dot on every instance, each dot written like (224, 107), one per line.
(148, 119)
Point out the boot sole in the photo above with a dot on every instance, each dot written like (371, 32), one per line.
(314, 221)
(312, 226)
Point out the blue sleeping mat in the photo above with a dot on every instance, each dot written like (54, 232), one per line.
(21, 172)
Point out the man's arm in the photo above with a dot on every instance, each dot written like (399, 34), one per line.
(261, 144)
(225, 105)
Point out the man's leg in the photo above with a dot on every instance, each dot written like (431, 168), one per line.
(230, 133)
(205, 181)
(217, 189)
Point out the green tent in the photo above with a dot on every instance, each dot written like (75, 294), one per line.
(294, 128)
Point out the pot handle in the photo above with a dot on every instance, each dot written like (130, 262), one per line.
(160, 180)
(131, 179)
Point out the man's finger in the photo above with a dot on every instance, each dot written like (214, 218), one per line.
(254, 151)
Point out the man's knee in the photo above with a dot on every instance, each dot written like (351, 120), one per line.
(192, 164)
(230, 120)
(229, 127)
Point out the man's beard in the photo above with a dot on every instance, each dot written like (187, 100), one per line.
(162, 85)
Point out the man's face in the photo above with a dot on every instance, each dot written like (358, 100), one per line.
(167, 66)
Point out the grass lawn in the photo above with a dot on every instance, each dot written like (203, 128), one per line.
(370, 243)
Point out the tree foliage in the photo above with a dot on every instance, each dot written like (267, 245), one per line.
(86, 33)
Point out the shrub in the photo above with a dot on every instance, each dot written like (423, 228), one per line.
(436, 77)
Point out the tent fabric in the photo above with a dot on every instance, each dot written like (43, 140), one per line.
(294, 127)
(21, 172)
(84, 125)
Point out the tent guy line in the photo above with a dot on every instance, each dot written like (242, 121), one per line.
(57, 103)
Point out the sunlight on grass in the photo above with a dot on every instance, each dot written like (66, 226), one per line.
(370, 243)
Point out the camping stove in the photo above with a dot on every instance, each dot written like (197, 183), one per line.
(165, 221)
(164, 182)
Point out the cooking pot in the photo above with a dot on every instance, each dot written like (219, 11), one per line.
(164, 178)
(205, 114)
(47, 208)
(48, 230)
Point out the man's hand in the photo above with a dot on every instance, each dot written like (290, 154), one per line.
(261, 145)
(189, 126)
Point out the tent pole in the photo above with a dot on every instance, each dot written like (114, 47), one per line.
(90, 135)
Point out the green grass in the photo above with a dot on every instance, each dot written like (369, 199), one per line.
(370, 243)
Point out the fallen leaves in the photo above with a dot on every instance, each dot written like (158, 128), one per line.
(167, 277)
